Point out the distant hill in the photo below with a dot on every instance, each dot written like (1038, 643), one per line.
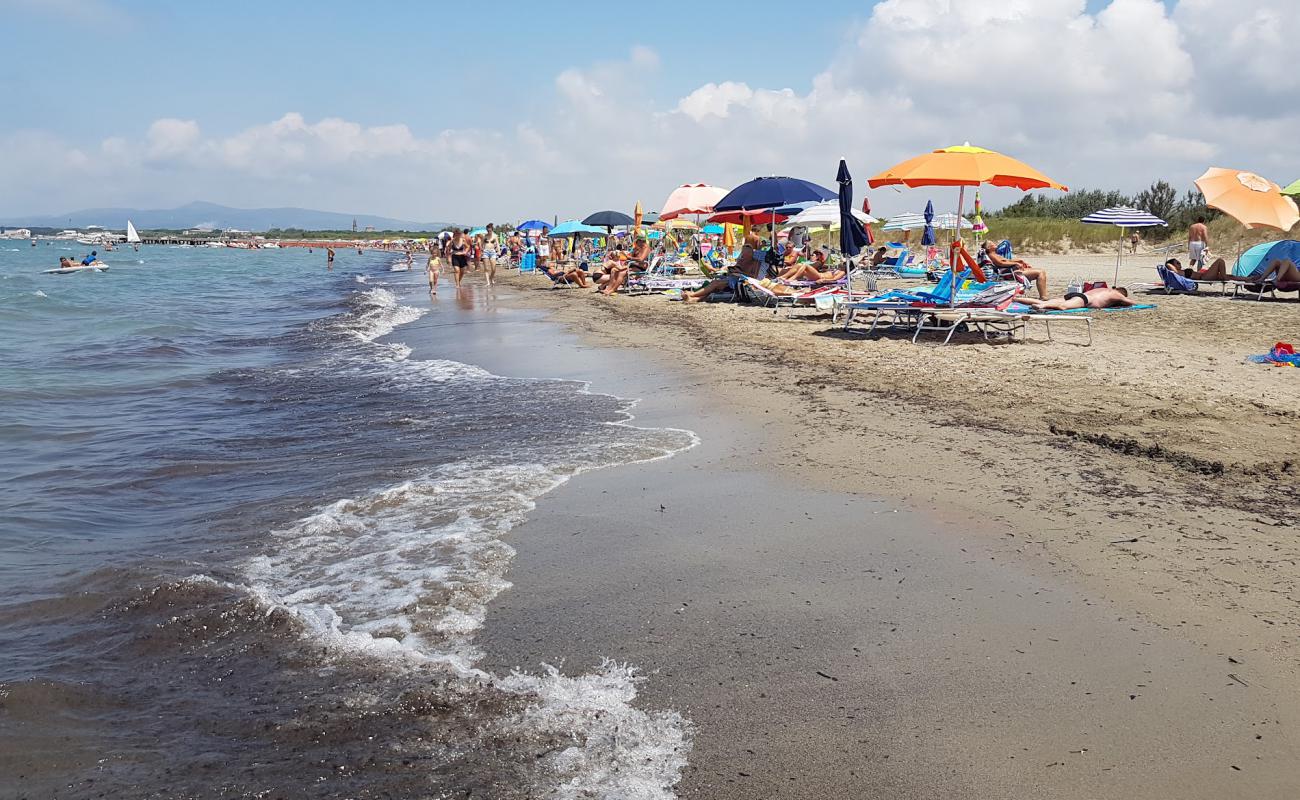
(211, 215)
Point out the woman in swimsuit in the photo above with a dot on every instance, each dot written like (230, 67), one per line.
(460, 252)
(490, 252)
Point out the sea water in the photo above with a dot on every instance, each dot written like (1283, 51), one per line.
(246, 541)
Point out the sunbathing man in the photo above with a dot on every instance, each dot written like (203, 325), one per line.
(746, 265)
(1015, 267)
(1093, 298)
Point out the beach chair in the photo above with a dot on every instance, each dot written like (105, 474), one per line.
(557, 279)
(1174, 282)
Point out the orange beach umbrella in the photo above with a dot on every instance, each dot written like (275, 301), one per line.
(964, 165)
(1246, 197)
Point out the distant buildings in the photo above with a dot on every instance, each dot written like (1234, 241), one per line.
(16, 233)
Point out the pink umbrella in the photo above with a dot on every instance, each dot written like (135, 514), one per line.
(691, 198)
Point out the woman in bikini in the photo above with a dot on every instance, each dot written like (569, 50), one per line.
(460, 254)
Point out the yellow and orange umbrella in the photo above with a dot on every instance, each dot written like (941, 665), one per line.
(1246, 197)
(964, 165)
(638, 214)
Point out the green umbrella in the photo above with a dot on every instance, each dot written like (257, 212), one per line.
(1293, 189)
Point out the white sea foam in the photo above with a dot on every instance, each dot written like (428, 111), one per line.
(39, 293)
(402, 575)
(618, 751)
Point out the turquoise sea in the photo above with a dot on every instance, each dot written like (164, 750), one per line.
(254, 512)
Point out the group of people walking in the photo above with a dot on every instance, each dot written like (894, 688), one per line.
(462, 250)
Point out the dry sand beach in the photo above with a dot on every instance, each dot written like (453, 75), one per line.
(1033, 569)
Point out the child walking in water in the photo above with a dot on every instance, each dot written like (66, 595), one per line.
(431, 268)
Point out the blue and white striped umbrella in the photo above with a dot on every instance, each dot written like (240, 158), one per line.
(912, 221)
(1124, 217)
(904, 222)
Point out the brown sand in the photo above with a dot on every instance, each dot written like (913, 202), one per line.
(1051, 455)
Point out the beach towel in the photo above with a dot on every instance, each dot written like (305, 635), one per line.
(1283, 354)
(1020, 307)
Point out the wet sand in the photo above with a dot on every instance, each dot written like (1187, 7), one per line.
(857, 587)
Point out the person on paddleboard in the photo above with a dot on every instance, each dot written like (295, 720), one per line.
(90, 259)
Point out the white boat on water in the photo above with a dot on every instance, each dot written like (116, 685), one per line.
(132, 236)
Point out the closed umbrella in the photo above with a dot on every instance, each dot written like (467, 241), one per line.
(1122, 217)
(978, 227)
(637, 214)
(927, 234)
(852, 236)
(1246, 197)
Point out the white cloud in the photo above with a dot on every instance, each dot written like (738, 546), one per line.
(1115, 98)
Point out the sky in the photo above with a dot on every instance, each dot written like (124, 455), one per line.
(467, 112)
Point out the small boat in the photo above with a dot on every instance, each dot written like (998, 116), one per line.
(132, 236)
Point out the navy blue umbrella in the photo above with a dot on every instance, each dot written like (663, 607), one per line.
(608, 219)
(927, 235)
(852, 235)
(763, 193)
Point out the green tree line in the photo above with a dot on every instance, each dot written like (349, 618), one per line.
(1160, 198)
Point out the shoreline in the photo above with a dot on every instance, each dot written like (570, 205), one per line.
(1063, 538)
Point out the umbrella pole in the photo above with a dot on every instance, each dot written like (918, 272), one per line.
(1119, 256)
(952, 291)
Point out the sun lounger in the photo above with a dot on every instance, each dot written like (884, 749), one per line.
(1260, 288)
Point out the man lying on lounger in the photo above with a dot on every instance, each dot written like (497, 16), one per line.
(1093, 298)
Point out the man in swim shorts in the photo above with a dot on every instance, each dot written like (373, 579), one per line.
(1093, 298)
(1198, 242)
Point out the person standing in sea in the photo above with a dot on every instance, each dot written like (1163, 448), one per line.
(431, 266)
(491, 249)
(460, 252)
(329, 259)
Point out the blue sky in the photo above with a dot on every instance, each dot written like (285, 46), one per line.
(460, 111)
(430, 65)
